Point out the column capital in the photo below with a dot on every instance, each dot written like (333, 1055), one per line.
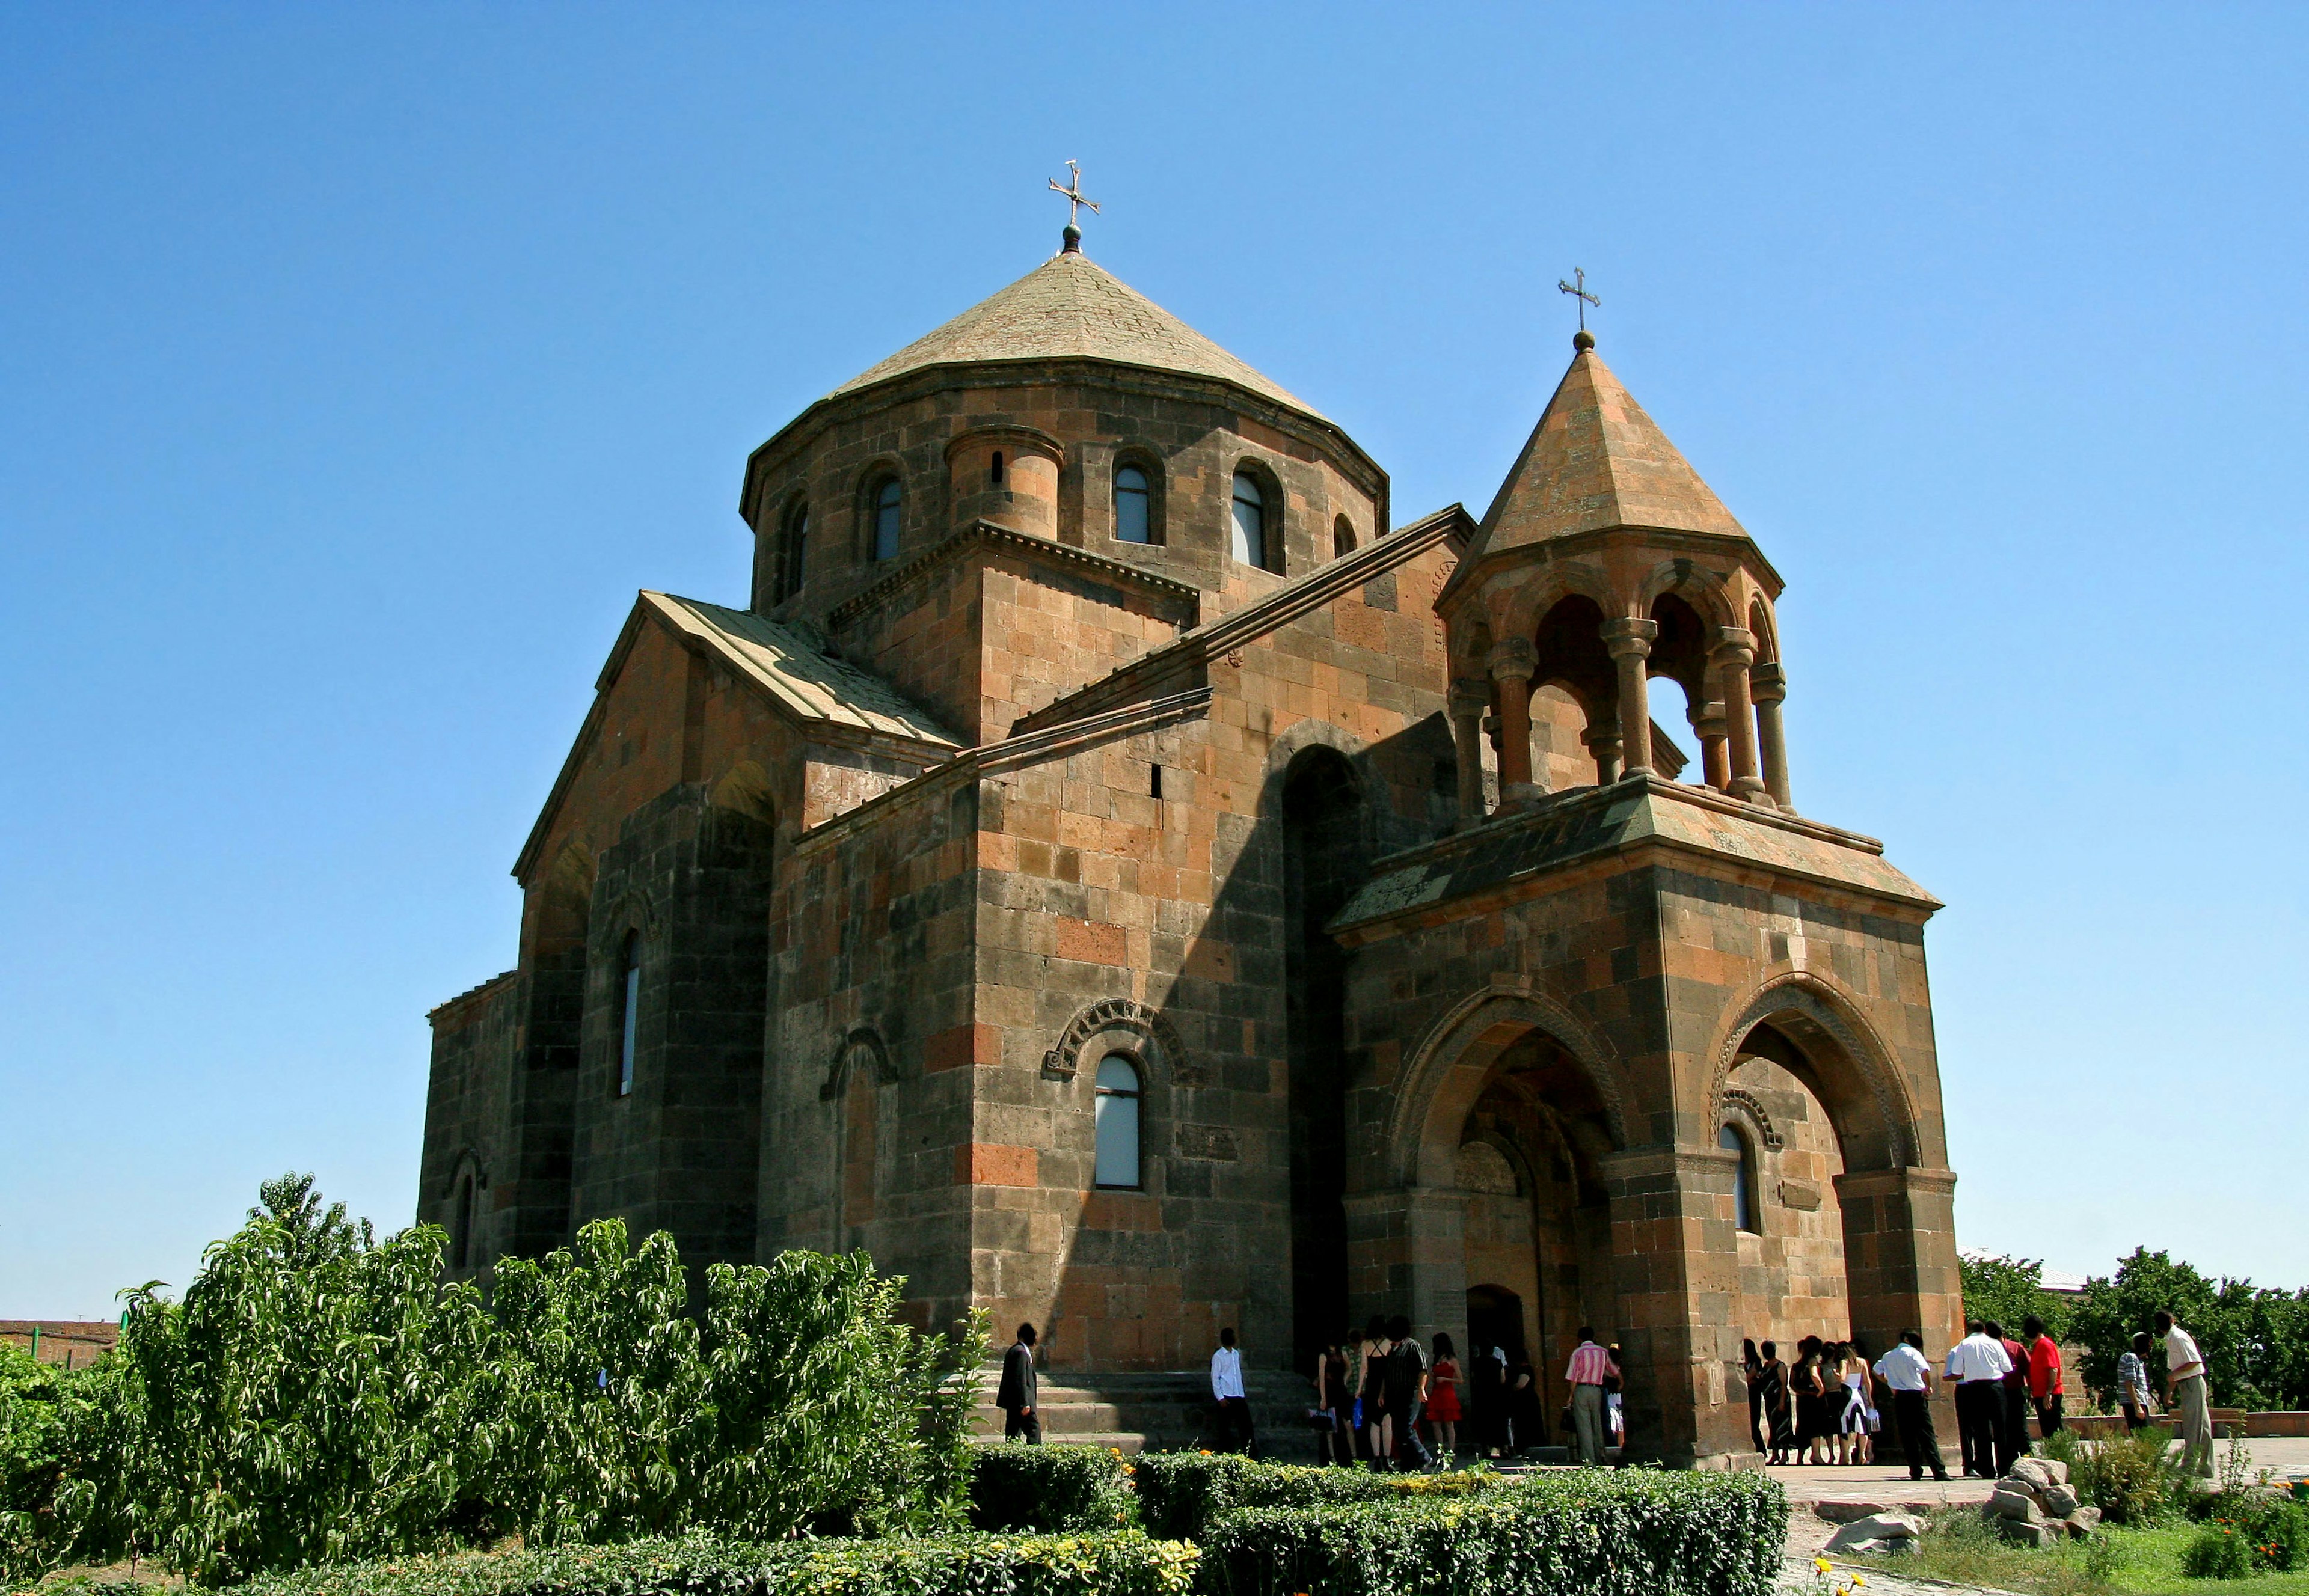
(1629, 635)
(1517, 657)
(1767, 684)
(1709, 721)
(1733, 645)
(1470, 697)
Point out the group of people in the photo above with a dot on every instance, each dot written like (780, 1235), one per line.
(1817, 1410)
(1381, 1399)
(1820, 1409)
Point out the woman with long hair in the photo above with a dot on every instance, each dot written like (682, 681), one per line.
(1772, 1382)
(1379, 1434)
(1333, 1417)
(1814, 1424)
(1851, 1444)
(1443, 1396)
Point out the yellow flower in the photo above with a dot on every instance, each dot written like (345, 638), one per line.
(1823, 1565)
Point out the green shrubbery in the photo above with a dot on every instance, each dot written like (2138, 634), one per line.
(2133, 1480)
(1181, 1493)
(318, 1395)
(1634, 1533)
(1050, 1488)
(1120, 1563)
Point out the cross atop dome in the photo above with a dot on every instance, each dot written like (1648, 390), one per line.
(1070, 240)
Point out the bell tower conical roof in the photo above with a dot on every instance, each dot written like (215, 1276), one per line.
(1596, 461)
(1068, 308)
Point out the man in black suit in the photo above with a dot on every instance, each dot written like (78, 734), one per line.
(1015, 1395)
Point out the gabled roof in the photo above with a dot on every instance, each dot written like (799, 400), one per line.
(808, 685)
(1068, 307)
(1596, 461)
(832, 701)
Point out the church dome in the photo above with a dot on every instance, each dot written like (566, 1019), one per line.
(1067, 308)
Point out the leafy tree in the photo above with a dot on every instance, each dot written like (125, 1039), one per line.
(2226, 1317)
(2007, 1290)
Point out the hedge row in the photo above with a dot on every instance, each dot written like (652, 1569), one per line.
(1050, 1489)
(1180, 1494)
(1637, 1533)
(1119, 1563)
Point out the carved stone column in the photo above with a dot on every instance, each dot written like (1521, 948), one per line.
(1470, 701)
(1512, 663)
(1630, 640)
(1603, 740)
(1769, 683)
(1735, 648)
(1708, 726)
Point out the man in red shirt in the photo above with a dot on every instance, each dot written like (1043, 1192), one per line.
(2044, 1372)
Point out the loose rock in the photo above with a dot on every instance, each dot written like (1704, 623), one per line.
(1879, 1527)
(2013, 1504)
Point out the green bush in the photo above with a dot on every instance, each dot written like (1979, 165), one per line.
(1120, 1563)
(2217, 1551)
(1180, 1493)
(2132, 1478)
(1632, 1533)
(319, 1396)
(1049, 1489)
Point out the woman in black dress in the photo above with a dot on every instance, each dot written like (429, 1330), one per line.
(1814, 1423)
(1751, 1369)
(1772, 1379)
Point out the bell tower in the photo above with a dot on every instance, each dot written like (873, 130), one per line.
(1603, 562)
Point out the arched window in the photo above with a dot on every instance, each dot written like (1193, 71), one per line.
(629, 1011)
(1343, 537)
(885, 519)
(1134, 507)
(1115, 1124)
(793, 547)
(461, 1234)
(1733, 1139)
(1250, 522)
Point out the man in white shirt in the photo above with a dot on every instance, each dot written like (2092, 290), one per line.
(2184, 1380)
(1977, 1366)
(1906, 1370)
(1226, 1390)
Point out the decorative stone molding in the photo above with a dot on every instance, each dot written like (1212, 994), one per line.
(1113, 1014)
(1516, 659)
(1794, 1193)
(863, 1043)
(1807, 993)
(1753, 1111)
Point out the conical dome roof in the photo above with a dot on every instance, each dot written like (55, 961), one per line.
(1068, 308)
(1595, 460)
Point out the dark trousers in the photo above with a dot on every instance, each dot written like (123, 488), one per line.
(1979, 1415)
(1015, 1424)
(1234, 1417)
(2048, 1414)
(1408, 1446)
(2012, 1436)
(1912, 1411)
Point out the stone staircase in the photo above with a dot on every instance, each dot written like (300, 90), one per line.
(1162, 1410)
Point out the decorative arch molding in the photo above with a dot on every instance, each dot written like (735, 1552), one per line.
(1745, 1105)
(1527, 606)
(1417, 1139)
(466, 1161)
(863, 1045)
(633, 911)
(1697, 586)
(1111, 1014)
(1815, 998)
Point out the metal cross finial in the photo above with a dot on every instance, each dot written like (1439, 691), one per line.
(1074, 201)
(1581, 294)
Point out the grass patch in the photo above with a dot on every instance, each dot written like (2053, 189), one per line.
(1961, 1549)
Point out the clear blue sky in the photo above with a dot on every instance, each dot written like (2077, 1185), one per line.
(357, 363)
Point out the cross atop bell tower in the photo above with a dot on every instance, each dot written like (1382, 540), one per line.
(1070, 240)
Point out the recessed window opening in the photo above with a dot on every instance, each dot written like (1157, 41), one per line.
(1733, 1139)
(629, 1012)
(1249, 520)
(462, 1234)
(885, 519)
(994, 471)
(1343, 538)
(791, 550)
(1115, 1124)
(1156, 787)
(1134, 507)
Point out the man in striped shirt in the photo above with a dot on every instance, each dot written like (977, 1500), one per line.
(1591, 1365)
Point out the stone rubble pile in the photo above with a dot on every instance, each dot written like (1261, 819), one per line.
(2035, 1505)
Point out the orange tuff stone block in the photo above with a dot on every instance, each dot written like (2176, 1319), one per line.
(1091, 942)
(965, 1044)
(990, 1163)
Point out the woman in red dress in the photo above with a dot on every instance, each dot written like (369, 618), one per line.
(1443, 1396)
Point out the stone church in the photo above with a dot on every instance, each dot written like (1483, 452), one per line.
(1113, 870)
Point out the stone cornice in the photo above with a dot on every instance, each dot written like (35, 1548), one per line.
(453, 1008)
(1740, 546)
(1195, 650)
(990, 534)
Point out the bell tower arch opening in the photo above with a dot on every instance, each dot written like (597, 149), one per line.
(1326, 853)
